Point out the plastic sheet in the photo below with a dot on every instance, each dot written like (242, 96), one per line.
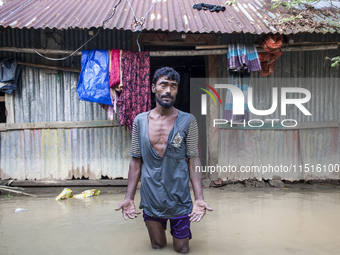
(88, 193)
(66, 193)
(94, 80)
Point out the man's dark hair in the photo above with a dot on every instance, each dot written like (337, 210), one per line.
(165, 71)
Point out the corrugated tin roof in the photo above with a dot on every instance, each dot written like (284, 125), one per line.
(254, 16)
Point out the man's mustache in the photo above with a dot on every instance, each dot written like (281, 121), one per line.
(169, 96)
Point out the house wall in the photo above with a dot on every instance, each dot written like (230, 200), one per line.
(98, 148)
(311, 145)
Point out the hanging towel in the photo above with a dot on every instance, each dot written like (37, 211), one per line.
(243, 57)
(242, 81)
(115, 67)
(116, 83)
(116, 76)
(109, 110)
(136, 94)
(119, 86)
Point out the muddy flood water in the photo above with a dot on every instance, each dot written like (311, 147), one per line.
(284, 221)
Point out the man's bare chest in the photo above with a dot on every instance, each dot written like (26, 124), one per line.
(159, 130)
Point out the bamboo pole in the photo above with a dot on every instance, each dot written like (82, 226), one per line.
(152, 53)
(225, 46)
(310, 47)
(19, 192)
(50, 67)
(225, 51)
(184, 52)
(41, 51)
(9, 187)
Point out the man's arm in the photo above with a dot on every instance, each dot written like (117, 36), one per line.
(128, 206)
(200, 206)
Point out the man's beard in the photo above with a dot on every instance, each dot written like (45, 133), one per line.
(165, 105)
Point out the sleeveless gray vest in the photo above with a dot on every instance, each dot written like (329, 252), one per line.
(165, 191)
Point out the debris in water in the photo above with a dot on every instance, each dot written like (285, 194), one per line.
(66, 193)
(88, 193)
(20, 210)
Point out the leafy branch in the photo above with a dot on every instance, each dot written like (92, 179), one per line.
(230, 2)
(283, 20)
(291, 3)
(335, 60)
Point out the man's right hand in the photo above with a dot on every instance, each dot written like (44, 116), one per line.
(128, 209)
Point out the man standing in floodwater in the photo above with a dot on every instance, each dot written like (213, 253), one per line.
(162, 140)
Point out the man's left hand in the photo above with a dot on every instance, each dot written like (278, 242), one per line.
(198, 210)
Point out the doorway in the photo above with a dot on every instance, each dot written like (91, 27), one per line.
(187, 67)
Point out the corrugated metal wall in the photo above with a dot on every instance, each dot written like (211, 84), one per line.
(52, 97)
(42, 97)
(286, 149)
(92, 152)
(257, 147)
(59, 154)
(296, 147)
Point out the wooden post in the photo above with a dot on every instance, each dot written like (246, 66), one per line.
(212, 144)
(9, 104)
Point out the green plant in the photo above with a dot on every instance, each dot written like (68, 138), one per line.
(283, 20)
(291, 3)
(335, 61)
(295, 3)
(230, 2)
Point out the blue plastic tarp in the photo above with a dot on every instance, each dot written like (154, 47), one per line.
(94, 80)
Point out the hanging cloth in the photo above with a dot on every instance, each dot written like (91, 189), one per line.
(243, 58)
(9, 75)
(116, 82)
(242, 81)
(115, 67)
(110, 109)
(136, 94)
(272, 45)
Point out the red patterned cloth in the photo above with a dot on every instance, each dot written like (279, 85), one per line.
(136, 95)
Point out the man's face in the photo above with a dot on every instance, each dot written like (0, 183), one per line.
(165, 91)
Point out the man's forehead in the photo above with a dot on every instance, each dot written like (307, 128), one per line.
(165, 79)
